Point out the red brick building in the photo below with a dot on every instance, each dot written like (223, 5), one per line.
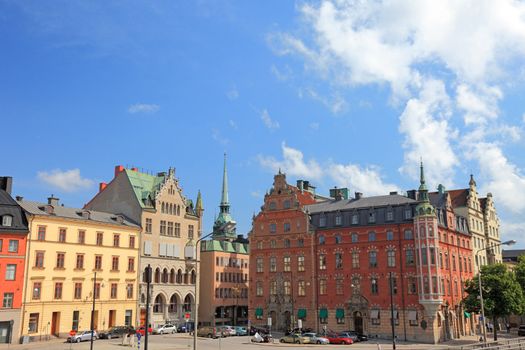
(13, 234)
(350, 263)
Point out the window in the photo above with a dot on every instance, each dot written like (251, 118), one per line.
(371, 236)
(287, 243)
(131, 264)
(408, 213)
(389, 215)
(338, 219)
(259, 289)
(129, 290)
(37, 290)
(259, 264)
(97, 290)
(273, 244)
(355, 219)
(163, 227)
(286, 227)
(287, 288)
(98, 262)
(33, 322)
(39, 260)
(300, 242)
(80, 261)
(424, 259)
(190, 231)
(177, 230)
(8, 300)
(371, 217)
(322, 221)
(76, 320)
(13, 246)
(391, 258)
(322, 286)
(408, 234)
(1, 244)
(338, 260)
(301, 288)
(259, 245)
(273, 264)
(340, 316)
(432, 252)
(113, 292)
(392, 283)
(60, 260)
(287, 266)
(300, 263)
(321, 240)
(81, 236)
(355, 237)
(412, 318)
(339, 286)
(338, 239)
(7, 220)
(41, 236)
(389, 235)
(132, 241)
(114, 263)
(78, 290)
(62, 235)
(273, 228)
(58, 290)
(286, 204)
(322, 262)
(149, 226)
(412, 285)
(372, 258)
(273, 287)
(272, 206)
(374, 285)
(100, 238)
(409, 257)
(10, 272)
(116, 240)
(355, 259)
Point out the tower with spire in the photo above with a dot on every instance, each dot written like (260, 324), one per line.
(224, 227)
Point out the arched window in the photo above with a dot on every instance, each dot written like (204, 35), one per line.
(157, 275)
(158, 305)
(187, 303)
(163, 208)
(179, 277)
(172, 276)
(165, 276)
(193, 277)
(173, 303)
(178, 209)
(186, 278)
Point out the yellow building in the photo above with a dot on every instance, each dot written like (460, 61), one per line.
(66, 248)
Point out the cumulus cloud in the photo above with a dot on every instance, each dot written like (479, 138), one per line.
(479, 107)
(293, 163)
(233, 93)
(268, 121)
(366, 180)
(335, 103)
(143, 108)
(314, 126)
(218, 137)
(67, 180)
(233, 124)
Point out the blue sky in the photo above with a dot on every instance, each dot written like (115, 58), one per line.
(347, 94)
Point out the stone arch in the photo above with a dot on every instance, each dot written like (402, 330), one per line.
(175, 301)
(172, 276)
(171, 208)
(188, 303)
(179, 276)
(157, 275)
(159, 303)
(162, 208)
(165, 275)
(193, 277)
(186, 277)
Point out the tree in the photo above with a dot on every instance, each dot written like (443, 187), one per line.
(502, 294)
(519, 270)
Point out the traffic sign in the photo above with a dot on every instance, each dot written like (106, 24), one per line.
(187, 316)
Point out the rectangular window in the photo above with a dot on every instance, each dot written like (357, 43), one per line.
(76, 320)
(408, 234)
(116, 240)
(260, 264)
(170, 228)
(132, 241)
(33, 322)
(129, 291)
(287, 264)
(100, 238)
(339, 286)
(355, 259)
(322, 286)
(80, 261)
(392, 283)
(338, 260)
(98, 262)
(389, 215)
(287, 288)
(60, 260)
(389, 235)
(97, 290)
(58, 290)
(371, 217)
(114, 263)
(322, 221)
(409, 257)
(81, 236)
(131, 264)
(286, 227)
(78, 290)
(259, 289)
(273, 228)
(113, 292)
(424, 259)
(177, 230)
(355, 219)
(300, 263)
(301, 288)
(37, 290)
(412, 285)
(8, 301)
(322, 262)
(62, 235)
(372, 258)
(408, 213)
(391, 258)
(273, 264)
(371, 236)
(1, 244)
(374, 286)
(13, 246)
(39, 259)
(163, 227)
(190, 231)
(10, 272)
(338, 220)
(273, 288)
(149, 226)
(41, 233)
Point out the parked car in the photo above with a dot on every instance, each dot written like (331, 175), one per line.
(142, 331)
(209, 332)
(115, 332)
(341, 338)
(262, 338)
(316, 338)
(358, 336)
(295, 338)
(241, 330)
(260, 330)
(165, 329)
(186, 327)
(521, 330)
(228, 331)
(82, 336)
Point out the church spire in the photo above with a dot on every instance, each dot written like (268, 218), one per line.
(198, 206)
(224, 226)
(423, 191)
(225, 204)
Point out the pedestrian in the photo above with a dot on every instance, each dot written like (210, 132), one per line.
(507, 325)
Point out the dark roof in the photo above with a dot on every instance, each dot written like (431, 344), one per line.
(37, 208)
(483, 203)
(365, 202)
(8, 206)
(458, 198)
(512, 254)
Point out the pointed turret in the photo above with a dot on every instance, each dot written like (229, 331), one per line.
(225, 204)
(224, 226)
(472, 182)
(424, 208)
(198, 206)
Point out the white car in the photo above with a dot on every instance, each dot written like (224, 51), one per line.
(316, 339)
(82, 336)
(165, 329)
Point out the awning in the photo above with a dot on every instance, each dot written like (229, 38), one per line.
(452, 314)
(467, 314)
(412, 315)
(258, 311)
(374, 314)
(340, 313)
(301, 313)
(323, 313)
(440, 314)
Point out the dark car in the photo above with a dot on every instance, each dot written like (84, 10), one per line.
(358, 336)
(116, 332)
(260, 330)
(186, 327)
(521, 330)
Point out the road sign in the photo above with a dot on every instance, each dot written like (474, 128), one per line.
(269, 321)
(187, 316)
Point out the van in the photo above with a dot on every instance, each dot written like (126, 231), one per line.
(209, 332)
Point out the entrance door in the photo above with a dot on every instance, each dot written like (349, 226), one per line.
(358, 322)
(55, 324)
(112, 318)
(95, 320)
(287, 320)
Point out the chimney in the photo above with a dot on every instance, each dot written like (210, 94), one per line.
(118, 169)
(160, 174)
(358, 195)
(19, 198)
(339, 193)
(102, 186)
(411, 194)
(300, 185)
(6, 184)
(53, 201)
(135, 169)
(393, 193)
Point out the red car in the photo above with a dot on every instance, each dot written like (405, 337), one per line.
(341, 338)
(142, 332)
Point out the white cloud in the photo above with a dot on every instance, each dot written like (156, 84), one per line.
(67, 180)
(366, 180)
(233, 124)
(217, 136)
(480, 107)
(256, 194)
(268, 121)
(336, 103)
(314, 126)
(512, 230)
(233, 93)
(523, 118)
(143, 108)
(281, 74)
(293, 164)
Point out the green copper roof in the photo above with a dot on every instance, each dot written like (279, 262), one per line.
(198, 205)
(145, 186)
(424, 208)
(224, 195)
(224, 246)
(224, 226)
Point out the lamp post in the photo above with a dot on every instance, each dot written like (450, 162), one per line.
(392, 312)
(196, 316)
(93, 310)
(483, 324)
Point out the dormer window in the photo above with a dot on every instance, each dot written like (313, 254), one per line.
(287, 204)
(372, 217)
(338, 220)
(7, 220)
(272, 206)
(389, 215)
(355, 219)
(322, 221)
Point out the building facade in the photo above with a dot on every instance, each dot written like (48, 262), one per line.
(350, 263)
(13, 239)
(170, 222)
(75, 256)
(224, 270)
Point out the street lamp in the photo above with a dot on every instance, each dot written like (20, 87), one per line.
(511, 242)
